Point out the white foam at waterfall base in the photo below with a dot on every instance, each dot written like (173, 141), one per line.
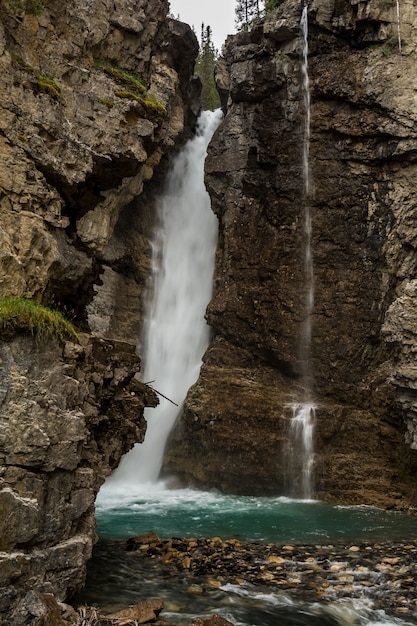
(301, 437)
(175, 333)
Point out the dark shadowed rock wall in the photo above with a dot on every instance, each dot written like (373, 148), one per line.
(363, 159)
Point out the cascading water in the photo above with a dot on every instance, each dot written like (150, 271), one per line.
(117, 580)
(175, 331)
(305, 344)
(301, 451)
(303, 413)
(397, 2)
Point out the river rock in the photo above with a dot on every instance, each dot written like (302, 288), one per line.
(146, 611)
(213, 620)
(309, 573)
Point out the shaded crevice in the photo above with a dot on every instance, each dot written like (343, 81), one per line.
(83, 197)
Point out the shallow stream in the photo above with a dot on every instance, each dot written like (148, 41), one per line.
(118, 579)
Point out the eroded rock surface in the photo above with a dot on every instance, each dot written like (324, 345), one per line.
(79, 142)
(93, 97)
(362, 158)
(67, 415)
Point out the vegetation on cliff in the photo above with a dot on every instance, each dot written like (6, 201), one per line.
(205, 62)
(34, 7)
(20, 315)
(248, 11)
(133, 87)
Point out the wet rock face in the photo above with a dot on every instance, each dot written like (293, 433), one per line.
(362, 162)
(67, 415)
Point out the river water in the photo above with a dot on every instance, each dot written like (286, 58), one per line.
(117, 579)
(128, 511)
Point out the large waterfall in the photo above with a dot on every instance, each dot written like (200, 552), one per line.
(175, 332)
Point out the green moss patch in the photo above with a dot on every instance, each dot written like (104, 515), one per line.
(121, 76)
(109, 103)
(18, 315)
(132, 87)
(45, 83)
(33, 7)
(48, 84)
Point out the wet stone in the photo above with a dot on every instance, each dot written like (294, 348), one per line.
(383, 573)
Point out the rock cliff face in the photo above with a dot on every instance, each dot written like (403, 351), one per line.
(84, 147)
(79, 139)
(234, 431)
(94, 96)
(67, 415)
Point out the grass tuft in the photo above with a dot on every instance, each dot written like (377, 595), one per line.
(131, 87)
(19, 315)
(33, 7)
(122, 76)
(48, 84)
(109, 103)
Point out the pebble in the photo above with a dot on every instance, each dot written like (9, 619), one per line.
(214, 583)
(383, 573)
(275, 559)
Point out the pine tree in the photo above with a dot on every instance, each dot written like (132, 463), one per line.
(206, 59)
(246, 12)
(270, 5)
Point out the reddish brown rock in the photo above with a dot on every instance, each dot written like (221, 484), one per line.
(146, 611)
(213, 620)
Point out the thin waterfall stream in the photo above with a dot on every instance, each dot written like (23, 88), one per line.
(397, 3)
(301, 451)
(305, 347)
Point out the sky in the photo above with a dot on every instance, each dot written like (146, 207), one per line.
(219, 14)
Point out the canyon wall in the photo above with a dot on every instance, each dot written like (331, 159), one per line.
(234, 430)
(94, 97)
(67, 415)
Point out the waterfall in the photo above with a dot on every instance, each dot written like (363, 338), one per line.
(301, 451)
(303, 413)
(175, 334)
(397, 2)
(305, 343)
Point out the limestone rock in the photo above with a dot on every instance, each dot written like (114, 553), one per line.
(400, 330)
(67, 415)
(78, 144)
(362, 75)
(80, 140)
(146, 611)
(213, 620)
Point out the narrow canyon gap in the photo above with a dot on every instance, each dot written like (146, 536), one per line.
(175, 333)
